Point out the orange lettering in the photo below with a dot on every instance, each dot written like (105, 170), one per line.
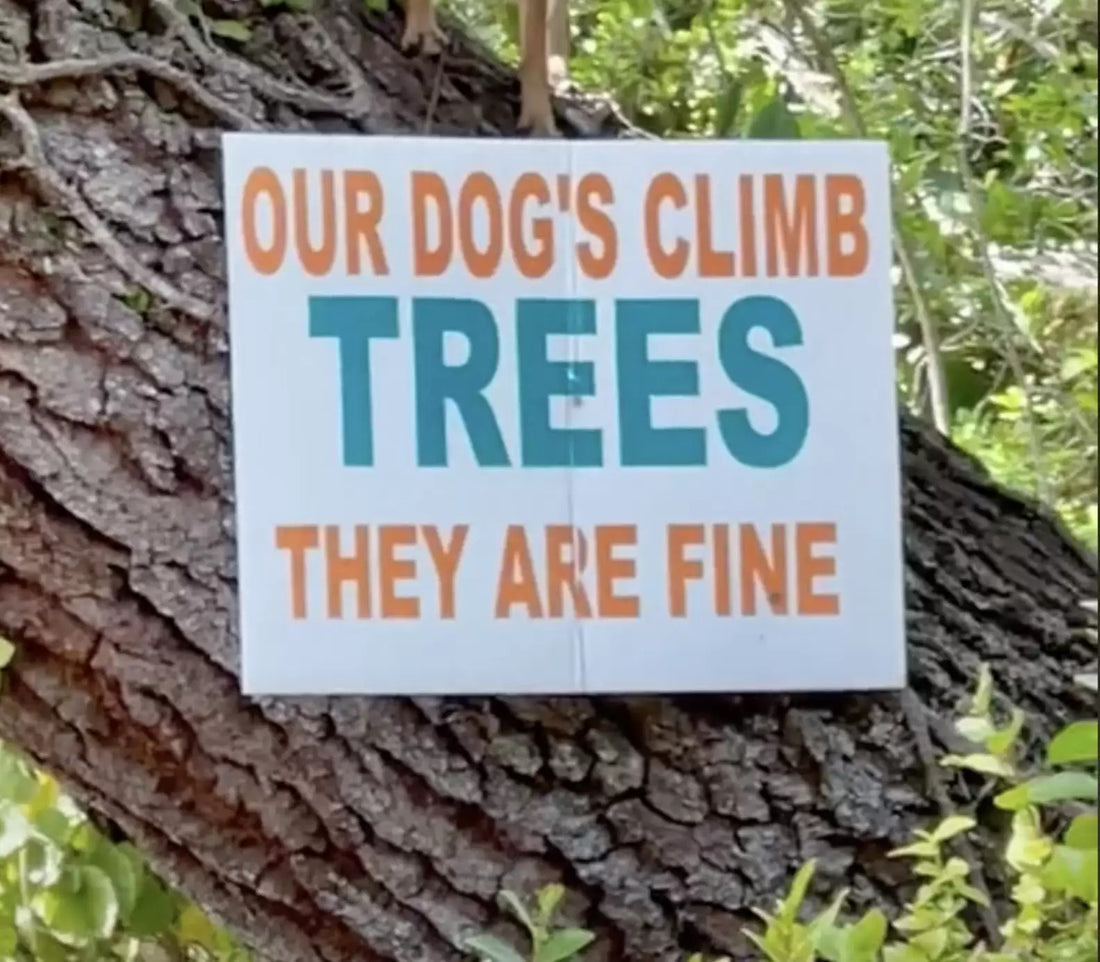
(562, 572)
(712, 263)
(517, 584)
(841, 224)
(480, 186)
(446, 558)
(680, 568)
(598, 224)
(722, 602)
(426, 261)
(394, 569)
(795, 232)
(746, 216)
(756, 567)
(531, 263)
(340, 568)
(362, 225)
(297, 539)
(668, 264)
(810, 567)
(609, 569)
(318, 260)
(263, 181)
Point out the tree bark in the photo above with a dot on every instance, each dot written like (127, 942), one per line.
(353, 829)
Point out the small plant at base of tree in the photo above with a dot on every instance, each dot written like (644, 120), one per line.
(1054, 895)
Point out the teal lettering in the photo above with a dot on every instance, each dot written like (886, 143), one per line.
(540, 378)
(639, 379)
(353, 321)
(464, 384)
(767, 378)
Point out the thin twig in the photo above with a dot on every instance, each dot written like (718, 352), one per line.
(917, 716)
(68, 199)
(29, 74)
(437, 86)
(716, 47)
(302, 98)
(981, 242)
(937, 380)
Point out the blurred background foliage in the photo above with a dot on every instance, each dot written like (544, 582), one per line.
(1005, 262)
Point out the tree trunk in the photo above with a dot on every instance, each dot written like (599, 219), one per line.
(352, 829)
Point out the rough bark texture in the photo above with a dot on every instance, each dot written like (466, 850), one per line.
(346, 829)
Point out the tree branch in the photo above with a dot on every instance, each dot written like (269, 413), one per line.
(29, 74)
(981, 243)
(937, 380)
(56, 189)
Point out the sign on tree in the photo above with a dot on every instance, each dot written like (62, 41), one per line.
(563, 417)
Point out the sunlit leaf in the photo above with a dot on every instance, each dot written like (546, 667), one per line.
(774, 122)
(563, 944)
(1059, 787)
(491, 949)
(231, 30)
(83, 904)
(1074, 743)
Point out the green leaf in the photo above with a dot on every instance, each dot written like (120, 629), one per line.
(513, 903)
(195, 928)
(985, 764)
(952, 826)
(774, 121)
(17, 784)
(154, 911)
(9, 940)
(7, 652)
(83, 904)
(1059, 787)
(55, 826)
(826, 921)
(1001, 741)
(983, 696)
(867, 936)
(14, 828)
(45, 796)
(563, 944)
(124, 871)
(1082, 832)
(43, 862)
(1074, 743)
(1072, 870)
(231, 30)
(549, 898)
(903, 953)
(788, 908)
(920, 849)
(975, 729)
(932, 943)
(727, 108)
(492, 949)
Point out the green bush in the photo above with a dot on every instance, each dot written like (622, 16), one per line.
(69, 894)
(1053, 911)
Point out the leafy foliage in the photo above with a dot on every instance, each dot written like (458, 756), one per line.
(1054, 891)
(1018, 345)
(70, 894)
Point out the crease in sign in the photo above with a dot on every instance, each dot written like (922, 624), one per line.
(573, 401)
(692, 538)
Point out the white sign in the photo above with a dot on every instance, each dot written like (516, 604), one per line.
(563, 417)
